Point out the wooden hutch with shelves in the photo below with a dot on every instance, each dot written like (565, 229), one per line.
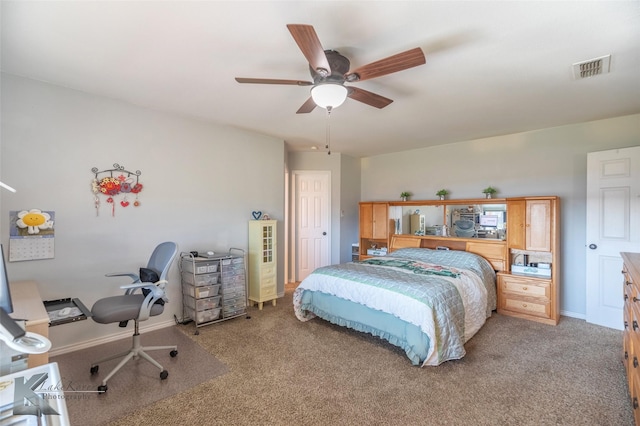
(521, 243)
(374, 227)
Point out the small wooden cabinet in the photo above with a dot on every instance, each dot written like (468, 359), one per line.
(263, 270)
(529, 224)
(538, 225)
(374, 220)
(374, 226)
(532, 233)
(516, 217)
(631, 334)
(526, 297)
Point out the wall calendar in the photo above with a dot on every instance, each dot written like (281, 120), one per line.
(31, 235)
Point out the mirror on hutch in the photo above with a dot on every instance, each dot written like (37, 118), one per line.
(470, 219)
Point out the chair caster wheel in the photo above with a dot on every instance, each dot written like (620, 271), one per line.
(102, 388)
(94, 369)
(173, 353)
(164, 374)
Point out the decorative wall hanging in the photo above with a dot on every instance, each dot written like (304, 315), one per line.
(31, 235)
(114, 184)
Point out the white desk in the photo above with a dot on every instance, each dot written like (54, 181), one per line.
(27, 305)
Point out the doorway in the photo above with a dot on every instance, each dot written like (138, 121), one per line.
(311, 221)
(613, 226)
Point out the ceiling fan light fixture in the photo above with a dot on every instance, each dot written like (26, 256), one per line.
(329, 95)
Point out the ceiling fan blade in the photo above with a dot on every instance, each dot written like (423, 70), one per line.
(307, 107)
(273, 81)
(401, 61)
(368, 98)
(308, 42)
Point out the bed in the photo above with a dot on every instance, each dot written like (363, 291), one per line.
(427, 302)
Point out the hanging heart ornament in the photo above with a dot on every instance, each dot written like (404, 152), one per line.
(256, 215)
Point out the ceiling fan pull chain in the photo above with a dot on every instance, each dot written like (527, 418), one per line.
(328, 142)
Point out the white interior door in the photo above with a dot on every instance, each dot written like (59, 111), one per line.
(312, 218)
(613, 226)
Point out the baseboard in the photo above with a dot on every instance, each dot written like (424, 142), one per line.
(125, 334)
(573, 315)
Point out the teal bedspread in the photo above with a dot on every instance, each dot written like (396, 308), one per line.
(427, 302)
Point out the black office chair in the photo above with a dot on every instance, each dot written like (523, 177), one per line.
(143, 298)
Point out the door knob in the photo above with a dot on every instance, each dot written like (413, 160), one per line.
(593, 246)
(324, 233)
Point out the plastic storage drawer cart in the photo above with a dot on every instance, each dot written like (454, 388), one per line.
(213, 288)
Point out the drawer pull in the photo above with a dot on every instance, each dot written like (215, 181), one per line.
(635, 325)
(626, 324)
(635, 299)
(525, 288)
(625, 297)
(635, 402)
(628, 282)
(626, 355)
(635, 362)
(524, 305)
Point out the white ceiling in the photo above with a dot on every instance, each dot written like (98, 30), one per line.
(493, 67)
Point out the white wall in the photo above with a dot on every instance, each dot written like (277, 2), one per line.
(545, 162)
(345, 194)
(349, 207)
(201, 183)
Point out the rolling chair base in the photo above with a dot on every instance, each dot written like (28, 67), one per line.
(137, 350)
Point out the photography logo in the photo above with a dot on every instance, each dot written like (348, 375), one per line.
(25, 399)
(31, 396)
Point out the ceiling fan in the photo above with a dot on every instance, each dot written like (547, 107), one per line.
(330, 70)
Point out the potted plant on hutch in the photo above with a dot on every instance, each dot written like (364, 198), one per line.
(489, 191)
(442, 193)
(404, 195)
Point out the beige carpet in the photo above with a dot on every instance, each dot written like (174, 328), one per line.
(285, 372)
(138, 383)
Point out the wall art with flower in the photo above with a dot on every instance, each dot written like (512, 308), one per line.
(116, 186)
(31, 234)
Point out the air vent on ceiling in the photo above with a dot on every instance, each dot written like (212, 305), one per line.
(591, 68)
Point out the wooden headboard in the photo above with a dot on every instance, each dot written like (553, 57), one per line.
(495, 251)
